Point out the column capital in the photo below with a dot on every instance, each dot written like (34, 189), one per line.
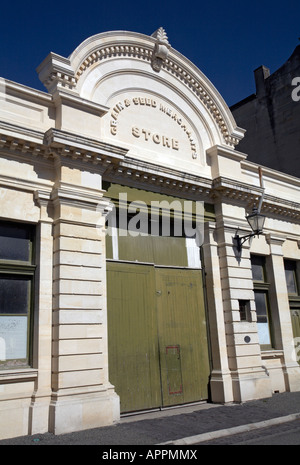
(71, 194)
(42, 197)
(275, 243)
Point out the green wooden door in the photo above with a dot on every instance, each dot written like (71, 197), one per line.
(184, 358)
(295, 316)
(132, 336)
(157, 343)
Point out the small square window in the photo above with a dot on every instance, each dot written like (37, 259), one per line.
(244, 308)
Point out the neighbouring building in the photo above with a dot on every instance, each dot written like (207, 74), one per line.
(159, 307)
(271, 117)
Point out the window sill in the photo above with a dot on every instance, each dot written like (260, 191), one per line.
(271, 353)
(21, 374)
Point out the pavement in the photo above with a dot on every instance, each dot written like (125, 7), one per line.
(180, 426)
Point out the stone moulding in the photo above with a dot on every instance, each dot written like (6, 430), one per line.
(249, 194)
(82, 148)
(172, 66)
(112, 51)
(59, 72)
(116, 166)
(139, 174)
(55, 143)
(56, 70)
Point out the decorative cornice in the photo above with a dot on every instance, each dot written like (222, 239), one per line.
(228, 188)
(14, 131)
(116, 166)
(160, 49)
(280, 207)
(203, 94)
(56, 72)
(56, 143)
(106, 51)
(22, 146)
(139, 174)
(250, 195)
(65, 193)
(62, 97)
(75, 147)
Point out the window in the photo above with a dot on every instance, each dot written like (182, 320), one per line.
(167, 238)
(16, 290)
(291, 276)
(293, 288)
(244, 308)
(261, 290)
(258, 268)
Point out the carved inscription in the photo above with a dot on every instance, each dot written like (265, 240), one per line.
(126, 103)
(173, 115)
(151, 136)
(146, 135)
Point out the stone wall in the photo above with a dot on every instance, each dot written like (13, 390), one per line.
(271, 117)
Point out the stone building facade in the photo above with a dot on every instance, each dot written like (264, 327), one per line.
(271, 117)
(96, 321)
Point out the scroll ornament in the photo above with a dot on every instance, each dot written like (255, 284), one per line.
(161, 49)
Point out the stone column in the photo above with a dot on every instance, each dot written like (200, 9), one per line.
(281, 315)
(220, 381)
(40, 400)
(82, 396)
(249, 378)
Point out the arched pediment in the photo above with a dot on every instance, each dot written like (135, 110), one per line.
(157, 101)
(139, 47)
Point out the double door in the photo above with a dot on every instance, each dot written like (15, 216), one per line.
(157, 335)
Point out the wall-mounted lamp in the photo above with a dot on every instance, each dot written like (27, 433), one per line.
(256, 222)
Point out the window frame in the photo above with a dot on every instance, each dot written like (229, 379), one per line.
(148, 247)
(21, 269)
(263, 287)
(294, 298)
(295, 277)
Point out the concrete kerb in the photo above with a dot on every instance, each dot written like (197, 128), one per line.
(231, 431)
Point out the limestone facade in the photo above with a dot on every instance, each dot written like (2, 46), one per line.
(129, 109)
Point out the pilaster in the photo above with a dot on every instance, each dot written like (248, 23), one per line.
(220, 381)
(249, 378)
(82, 396)
(281, 312)
(40, 400)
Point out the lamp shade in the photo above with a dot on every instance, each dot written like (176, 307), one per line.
(256, 221)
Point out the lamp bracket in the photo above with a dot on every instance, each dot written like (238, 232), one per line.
(241, 239)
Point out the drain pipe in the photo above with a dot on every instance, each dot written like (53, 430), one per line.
(261, 185)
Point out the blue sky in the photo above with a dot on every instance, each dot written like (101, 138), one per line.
(227, 40)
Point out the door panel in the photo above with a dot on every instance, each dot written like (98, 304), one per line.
(182, 336)
(132, 336)
(295, 316)
(157, 342)
(173, 370)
